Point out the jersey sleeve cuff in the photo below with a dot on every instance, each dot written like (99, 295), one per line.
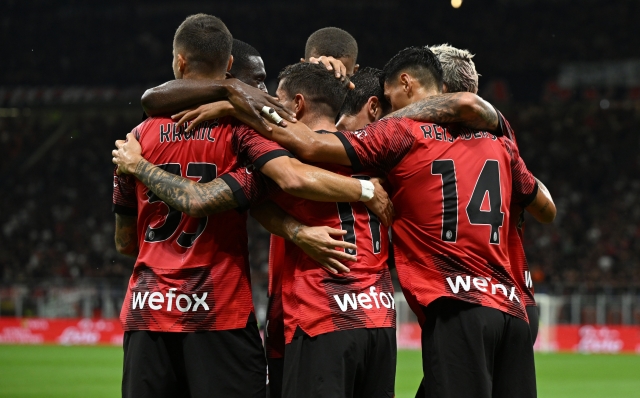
(238, 192)
(262, 160)
(351, 152)
(529, 198)
(499, 131)
(124, 210)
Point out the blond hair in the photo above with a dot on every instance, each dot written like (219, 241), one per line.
(459, 71)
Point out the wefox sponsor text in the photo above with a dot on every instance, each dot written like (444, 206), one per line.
(365, 300)
(482, 284)
(156, 300)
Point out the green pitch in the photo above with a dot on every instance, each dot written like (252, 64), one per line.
(75, 372)
(559, 375)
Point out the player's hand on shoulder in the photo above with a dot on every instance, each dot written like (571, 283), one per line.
(335, 65)
(252, 105)
(214, 110)
(127, 154)
(319, 244)
(381, 204)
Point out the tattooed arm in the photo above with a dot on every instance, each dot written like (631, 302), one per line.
(126, 236)
(466, 109)
(542, 208)
(184, 195)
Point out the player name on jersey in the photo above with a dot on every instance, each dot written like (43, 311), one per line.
(170, 132)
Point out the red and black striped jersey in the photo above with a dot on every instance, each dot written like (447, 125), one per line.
(317, 301)
(452, 194)
(517, 257)
(192, 273)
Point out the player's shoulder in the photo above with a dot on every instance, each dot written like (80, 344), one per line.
(404, 122)
(389, 126)
(151, 123)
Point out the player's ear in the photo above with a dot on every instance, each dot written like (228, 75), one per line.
(405, 81)
(299, 104)
(182, 63)
(373, 108)
(230, 63)
(356, 68)
(302, 60)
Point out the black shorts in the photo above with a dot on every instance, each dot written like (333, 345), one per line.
(348, 363)
(276, 370)
(227, 363)
(475, 352)
(533, 312)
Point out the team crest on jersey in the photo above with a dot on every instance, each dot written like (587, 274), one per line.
(360, 134)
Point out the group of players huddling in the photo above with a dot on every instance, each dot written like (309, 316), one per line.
(216, 144)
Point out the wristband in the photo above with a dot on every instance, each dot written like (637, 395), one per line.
(367, 190)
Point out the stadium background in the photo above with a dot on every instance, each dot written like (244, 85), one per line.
(566, 74)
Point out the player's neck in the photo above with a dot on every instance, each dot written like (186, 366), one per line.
(422, 93)
(203, 76)
(317, 122)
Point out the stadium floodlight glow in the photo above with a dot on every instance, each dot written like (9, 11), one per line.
(456, 3)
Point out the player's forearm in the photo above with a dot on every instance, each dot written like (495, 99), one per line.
(177, 95)
(126, 235)
(309, 182)
(309, 145)
(466, 109)
(276, 221)
(543, 209)
(182, 194)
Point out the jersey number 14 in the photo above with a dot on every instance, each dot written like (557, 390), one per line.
(488, 182)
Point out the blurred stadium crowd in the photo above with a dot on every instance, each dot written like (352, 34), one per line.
(57, 223)
(55, 171)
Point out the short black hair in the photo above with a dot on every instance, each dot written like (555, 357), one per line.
(317, 84)
(420, 61)
(331, 42)
(369, 84)
(241, 52)
(206, 41)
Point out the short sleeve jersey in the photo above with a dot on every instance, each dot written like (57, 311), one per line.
(452, 195)
(192, 274)
(317, 301)
(517, 257)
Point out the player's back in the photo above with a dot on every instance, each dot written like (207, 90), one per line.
(191, 273)
(172, 239)
(452, 195)
(318, 301)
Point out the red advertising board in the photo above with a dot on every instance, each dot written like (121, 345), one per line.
(60, 331)
(596, 339)
(566, 338)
